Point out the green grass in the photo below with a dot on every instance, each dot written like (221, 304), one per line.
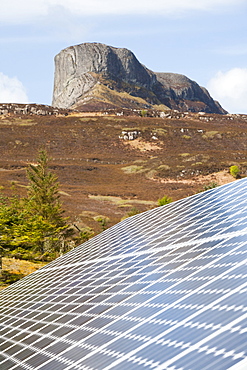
(151, 174)
(118, 201)
(18, 121)
(161, 131)
(209, 134)
(164, 167)
(184, 154)
(134, 169)
(197, 164)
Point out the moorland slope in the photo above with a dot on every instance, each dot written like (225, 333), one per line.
(107, 164)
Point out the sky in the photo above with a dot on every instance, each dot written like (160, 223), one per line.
(206, 40)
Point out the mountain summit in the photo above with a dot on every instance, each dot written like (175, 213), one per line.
(97, 76)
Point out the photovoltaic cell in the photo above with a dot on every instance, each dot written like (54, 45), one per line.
(165, 289)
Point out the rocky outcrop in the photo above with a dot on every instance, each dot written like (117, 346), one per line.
(185, 94)
(95, 74)
(31, 109)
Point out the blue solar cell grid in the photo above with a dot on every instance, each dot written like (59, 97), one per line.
(165, 289)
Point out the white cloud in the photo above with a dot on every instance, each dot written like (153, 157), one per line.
(11, 90)
(29, 10)
(230, 89)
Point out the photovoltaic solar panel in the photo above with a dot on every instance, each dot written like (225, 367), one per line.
(165, 289)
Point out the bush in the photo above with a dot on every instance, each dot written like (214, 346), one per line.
(10, 278)
(132, 212)
(164, 200)
(85, 234)
(235, 171)
(103, 221)
(143, 113)
(212, 185)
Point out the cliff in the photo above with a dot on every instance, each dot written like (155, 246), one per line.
(98, 76)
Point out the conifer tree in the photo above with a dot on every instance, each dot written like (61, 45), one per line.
(44, 204)
(34, 226)
(43, 191)
(10, 216)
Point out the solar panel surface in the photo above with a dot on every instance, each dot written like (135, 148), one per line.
(165, 289)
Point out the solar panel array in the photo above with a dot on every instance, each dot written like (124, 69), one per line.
(165, 289)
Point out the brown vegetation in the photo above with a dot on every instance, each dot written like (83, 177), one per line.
(171, 156)
(15, 269)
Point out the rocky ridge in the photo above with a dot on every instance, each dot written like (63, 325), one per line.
(31, 109)
(100, 76)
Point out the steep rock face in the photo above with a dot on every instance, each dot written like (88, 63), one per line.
(80, 71)
(186, 94)
(78, 68)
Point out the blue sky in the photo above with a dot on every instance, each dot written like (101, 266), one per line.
(205, 40)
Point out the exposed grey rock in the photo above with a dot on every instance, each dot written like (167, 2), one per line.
(32, 109)
(129, 135)
(78, 69)
(185, 93)
(76, 66)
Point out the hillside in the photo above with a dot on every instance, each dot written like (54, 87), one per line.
(98, 76)
(108, 164)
